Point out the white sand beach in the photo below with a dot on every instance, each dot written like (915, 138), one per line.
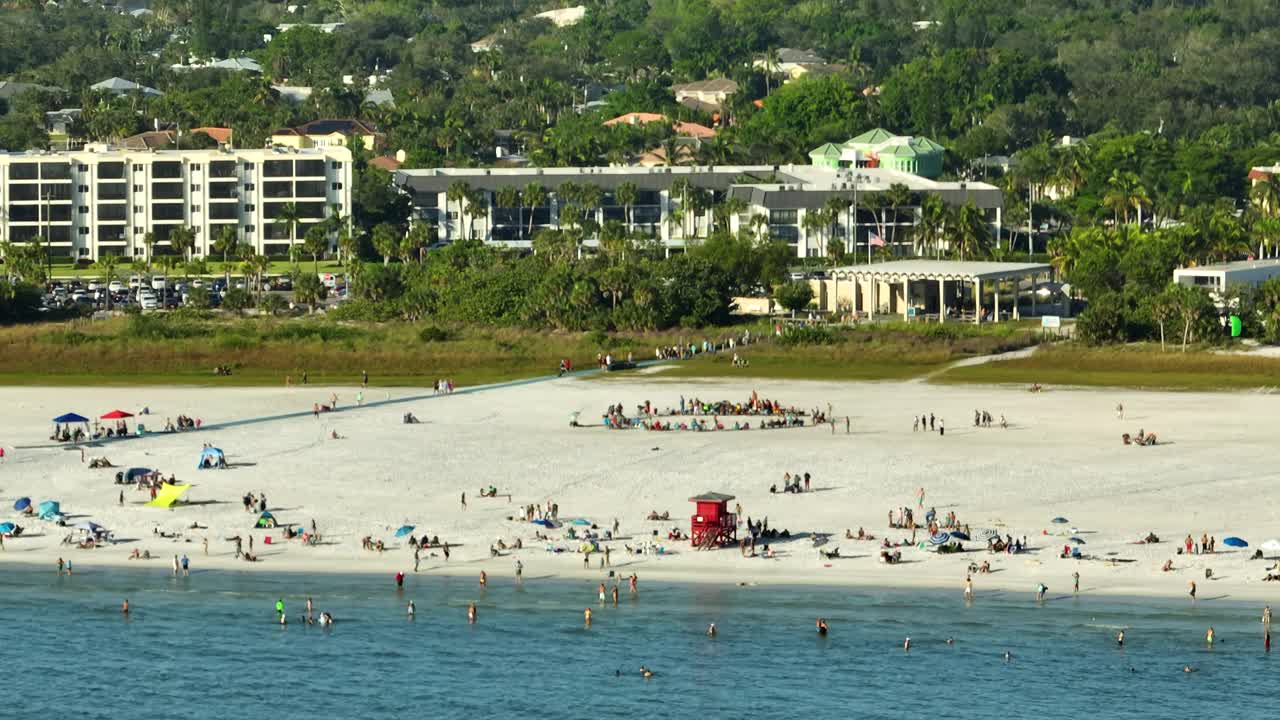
(1061, 456)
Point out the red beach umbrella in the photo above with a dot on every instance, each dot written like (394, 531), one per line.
(116, 415)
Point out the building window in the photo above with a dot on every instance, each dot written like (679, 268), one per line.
(248, 208)
(336, 164)
(248, 167)
(83, 188)
(195, 188)
(137, 188)
(137, 208)
(138, 230)
(336, 186)
(82, 231)
(193, 167)
(137, 167)
(83, 210)
(110, 171)
(195, 208)
(83, 168)
(782, 217)
(248, 186)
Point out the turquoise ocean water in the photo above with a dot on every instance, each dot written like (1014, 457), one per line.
(208, 647)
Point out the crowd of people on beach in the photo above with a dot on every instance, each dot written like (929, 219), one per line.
(790, 484)
(706, 415)
(184, 423)
(928, 423)
(443, 386)
(983, 419)
(1143, 438)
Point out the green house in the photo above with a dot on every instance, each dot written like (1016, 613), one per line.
(881, 148)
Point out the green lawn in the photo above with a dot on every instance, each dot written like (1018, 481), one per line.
(1136, 367)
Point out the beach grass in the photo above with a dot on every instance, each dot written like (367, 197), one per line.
(883, 351)
(1139, 366)
(183, 349)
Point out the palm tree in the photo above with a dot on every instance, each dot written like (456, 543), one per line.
(1265, 196)
(1125, 193)
(534, 196)
(759, 224)
(108, 265)
(896, 196)
(972, 236)
(314, 242)
(933, 217)
(771, 62)
(167, 263)
(415, 241)
(476, 209)
(288, 217)
(458, 192)
(385, 241)
(626, 194)
(183, 239)
(225, 243)
(508, 197)
(149, 240)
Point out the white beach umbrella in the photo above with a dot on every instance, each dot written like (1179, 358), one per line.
(1270, 547)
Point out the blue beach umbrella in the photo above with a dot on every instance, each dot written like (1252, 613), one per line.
(22, 504)
(1060, 521)
(404, 530)
(71, 418)
(6, 528)
(1235, 542)
(1077, 540)
(580, 521)
(959, 535)
(940, 539)
(48, 507)
(544, 523)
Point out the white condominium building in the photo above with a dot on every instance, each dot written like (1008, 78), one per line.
(104, 201)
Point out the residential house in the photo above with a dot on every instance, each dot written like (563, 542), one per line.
(61, 126)
(166, 139)
(120, 86)
(564, 17)
(880, 148)
(10, 90)
(328, 133)
(682, 129)
(795, 63)
(707, 93)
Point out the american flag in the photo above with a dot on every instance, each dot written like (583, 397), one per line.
(875, 239)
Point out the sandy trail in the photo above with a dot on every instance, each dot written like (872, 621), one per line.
(1061, 456)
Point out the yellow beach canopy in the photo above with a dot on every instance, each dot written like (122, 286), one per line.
(168, 495)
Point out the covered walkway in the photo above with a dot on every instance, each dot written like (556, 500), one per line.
(939, 290)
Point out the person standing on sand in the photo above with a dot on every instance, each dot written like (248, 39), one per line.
(364, 378)
(464, 501)
(416, 559)
(121, 498)
(446, 552)
(1193, 591)
(920, 497)
(1075, 577)
(931, 421)
(942, 429)
(205, 544)
(1119, 411)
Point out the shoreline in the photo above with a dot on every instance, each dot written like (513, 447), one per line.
(1120, 594)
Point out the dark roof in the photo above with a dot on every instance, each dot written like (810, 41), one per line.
(327, 127)
(773, 197)
(10, 89)
(552, 178)
(711, 497)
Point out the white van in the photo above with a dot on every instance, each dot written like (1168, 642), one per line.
(159, 282)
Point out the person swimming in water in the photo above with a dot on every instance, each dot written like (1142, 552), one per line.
(711, 630)
(124, 609)
(951, 641)
(822, 626)
(1008, 656)
(1120, 638)
(412, 609)
(1208, 636)
(471, 613)
(906, 644)
(586, 617)
(645, 672)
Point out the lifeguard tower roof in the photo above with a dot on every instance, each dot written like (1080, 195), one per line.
(711, 497)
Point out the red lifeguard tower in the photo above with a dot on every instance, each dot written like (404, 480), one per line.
(713, 525)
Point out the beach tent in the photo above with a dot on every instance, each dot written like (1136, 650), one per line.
(1235, 542)
(133, 473)
(168, 494)
(959, 535)
(92, 528)
(579, 521)
(1270, 547)
(266, 520)
(48, 510)
(215, 456)
(22, 504)
(7, 528)
(71, 418)
(116, 415)
(404, 530)
(544, 523)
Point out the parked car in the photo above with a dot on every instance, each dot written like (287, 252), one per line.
(115, 286)
(135, 282)
(159, 282)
